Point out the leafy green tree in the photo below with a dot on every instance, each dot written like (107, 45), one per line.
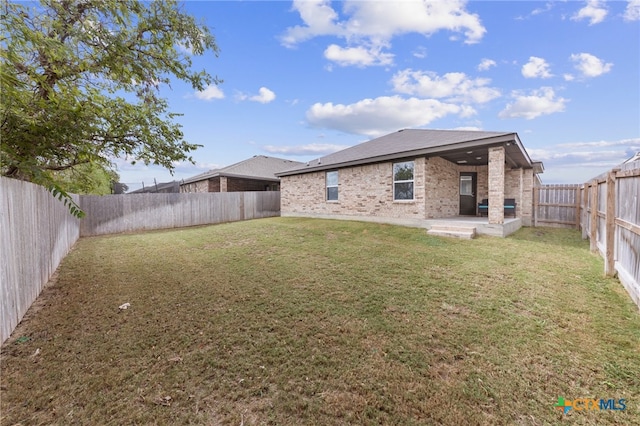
(80, 84)
(88, 178)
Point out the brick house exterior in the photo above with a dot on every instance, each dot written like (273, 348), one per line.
(254, 174)
(365, 187)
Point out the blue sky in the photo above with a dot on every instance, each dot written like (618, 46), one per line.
(302, 79)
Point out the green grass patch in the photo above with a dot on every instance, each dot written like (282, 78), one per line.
(299, 321)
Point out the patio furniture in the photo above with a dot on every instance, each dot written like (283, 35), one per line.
(483, 207)
(509, 207)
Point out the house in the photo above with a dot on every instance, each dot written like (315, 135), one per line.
(416, 176)
(254, 174)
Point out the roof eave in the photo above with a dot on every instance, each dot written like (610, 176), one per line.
(232, 175)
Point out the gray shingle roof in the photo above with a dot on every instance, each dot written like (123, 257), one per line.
(256, 167)
(411, 142)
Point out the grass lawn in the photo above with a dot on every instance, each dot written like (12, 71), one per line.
(298, 321)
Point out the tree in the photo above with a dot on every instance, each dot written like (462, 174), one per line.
(88, 178)
(80, 84)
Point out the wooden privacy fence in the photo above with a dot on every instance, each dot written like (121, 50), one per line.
(607, 209)
(557, 206)
(112, 214)
(36, 233)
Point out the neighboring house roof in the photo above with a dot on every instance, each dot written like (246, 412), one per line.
(258, 167)
(158, 188)
(458, 146)
(636, 157)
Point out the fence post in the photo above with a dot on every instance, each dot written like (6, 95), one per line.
(593, 228)
(585, 210)
(610, 225)
(536, 196)
(578, 205)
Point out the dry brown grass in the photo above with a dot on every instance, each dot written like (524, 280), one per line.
(298, 321)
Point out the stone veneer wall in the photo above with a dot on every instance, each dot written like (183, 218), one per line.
(362, 191)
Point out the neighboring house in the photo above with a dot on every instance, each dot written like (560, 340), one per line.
(166, 187)
(254, 174)
(411, 176)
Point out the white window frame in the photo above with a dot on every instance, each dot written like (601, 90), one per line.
(327, 186)
(411, 181)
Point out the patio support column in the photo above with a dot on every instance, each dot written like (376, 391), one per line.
(496, 185)
(223, 184)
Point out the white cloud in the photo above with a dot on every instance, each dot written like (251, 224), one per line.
(420, 52)
(547, 7)
(369, 27)
(375, 117)
(211, 92)
(632, 144)
(594, 11)
(632, 12)
(536, 68)
(309, 149)
(578, 162)
(358, 56)
(589, 65)
(485, 64)
(319, 18)
(264, 96)
(539, 102)
(454, 86)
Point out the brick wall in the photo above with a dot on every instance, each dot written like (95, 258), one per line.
(229, 184)
(519, 185)
(214, 184)
(496, 184)
(242, 184)
(199, 186)
(368, 190)
(443, 186)
(362, 191)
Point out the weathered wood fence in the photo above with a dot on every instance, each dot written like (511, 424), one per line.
(557, 206)
(607, 210)
(37, 231)
(139, 212)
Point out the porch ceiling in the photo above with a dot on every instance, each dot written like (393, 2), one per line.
(479, 156)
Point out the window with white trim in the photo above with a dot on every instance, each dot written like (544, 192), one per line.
(403, 181)
(332, 185)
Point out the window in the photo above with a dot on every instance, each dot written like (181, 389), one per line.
(403, 181)
(466, 185)
(332, 186)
